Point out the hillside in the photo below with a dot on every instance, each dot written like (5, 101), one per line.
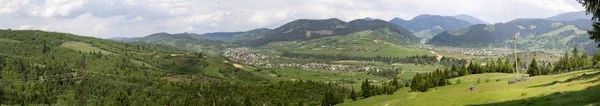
(570, 16)
(426, 26)
(369, 43)
(469, 19)
(49, 65)
(301, 30)
(533, 34)
(573, 88)
(187, 41)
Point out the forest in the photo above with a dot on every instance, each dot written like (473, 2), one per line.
(42, 68)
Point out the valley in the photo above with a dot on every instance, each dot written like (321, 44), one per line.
(428, 60)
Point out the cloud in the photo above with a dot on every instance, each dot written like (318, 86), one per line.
(129, 18)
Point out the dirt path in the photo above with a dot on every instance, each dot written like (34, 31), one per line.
(412, 95)
(437, 56)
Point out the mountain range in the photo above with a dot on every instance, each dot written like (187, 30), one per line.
(426, 26)
(567, 29)
(532, 34)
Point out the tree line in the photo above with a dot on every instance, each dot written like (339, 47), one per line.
(423, 81)
(417, 59)
(568, 62)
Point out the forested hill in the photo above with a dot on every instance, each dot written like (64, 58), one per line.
(49, 68)
(426, 21)
(426, 26)
(53, 50)
(469, 19)
(311, 29)
(533, 34)
(187, 41)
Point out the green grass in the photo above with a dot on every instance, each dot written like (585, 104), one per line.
(9, 40)
(539, 90)
(83, 47)
(419, 68)
(323, 75)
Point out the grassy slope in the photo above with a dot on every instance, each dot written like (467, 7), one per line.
(362, 43)
(540, 90)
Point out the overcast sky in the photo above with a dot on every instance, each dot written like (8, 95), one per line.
(135, 18)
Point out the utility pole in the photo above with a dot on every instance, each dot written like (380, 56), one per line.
(516, 57)
(82, 66)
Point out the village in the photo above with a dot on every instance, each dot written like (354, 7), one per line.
(250, 57)
(471, 51)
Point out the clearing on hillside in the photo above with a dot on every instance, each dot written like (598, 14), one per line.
(83, 47)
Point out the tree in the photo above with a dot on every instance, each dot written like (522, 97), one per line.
(353, 95)
(366, 89)
(533, 69)
(596, 59)
(585, 61)
(328, 100)
(396, 83)
(593, 7)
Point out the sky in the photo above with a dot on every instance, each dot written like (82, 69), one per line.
(137, 18)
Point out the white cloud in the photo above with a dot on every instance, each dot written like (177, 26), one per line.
(61, 8)
(111, 18)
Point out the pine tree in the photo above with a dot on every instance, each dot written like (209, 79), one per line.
(533, 69)
(353, 95)
(596, 59)
(366, 89)
(328, 99)
(585, 61)
(396, 83)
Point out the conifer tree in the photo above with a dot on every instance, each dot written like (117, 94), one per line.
(353, 95)
(366, 89)
(533, 69)
(596, 59)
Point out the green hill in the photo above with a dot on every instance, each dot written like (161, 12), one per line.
(469, 19)
(369, 43)
(301, 30)
(426, 26)
(570, 16)
(45, 68)
(187, 41)
(573, 88)
(426, 21)
(533, 34)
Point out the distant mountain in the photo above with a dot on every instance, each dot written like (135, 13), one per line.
(533, 34)
(369, 19)
(303, 29)
(190, 41)
(124, 39)
(426, 21)
(426, 26)
(469, 19)
(219, 36)
(570, 16)
(398, 21)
